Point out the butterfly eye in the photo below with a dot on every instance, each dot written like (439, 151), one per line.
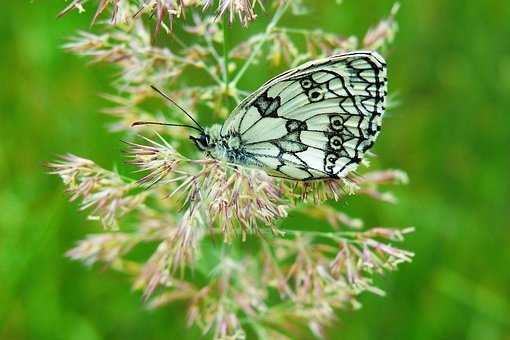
(202, 142)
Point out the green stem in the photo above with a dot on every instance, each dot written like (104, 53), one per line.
(230, 91)
(294, 30)
(225, 51)
(348, 236)
(274, 21)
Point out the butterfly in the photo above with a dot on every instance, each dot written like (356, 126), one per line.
(315, 121)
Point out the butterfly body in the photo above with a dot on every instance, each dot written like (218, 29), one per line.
(315, 121)
(227, 148)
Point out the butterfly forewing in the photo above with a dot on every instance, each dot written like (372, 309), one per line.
(315, 121)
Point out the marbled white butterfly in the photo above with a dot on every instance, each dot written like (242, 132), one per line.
(315, 121)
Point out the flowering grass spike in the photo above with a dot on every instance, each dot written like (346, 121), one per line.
(220, 211)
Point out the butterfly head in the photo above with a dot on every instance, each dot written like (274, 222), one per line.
(208, 138)
(203, 142)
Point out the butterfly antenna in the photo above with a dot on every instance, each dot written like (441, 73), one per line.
(180, 108)
(166, 124)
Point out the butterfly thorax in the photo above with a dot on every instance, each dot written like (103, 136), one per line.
(227, 148)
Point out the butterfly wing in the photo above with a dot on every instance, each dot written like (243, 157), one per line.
(314, 121)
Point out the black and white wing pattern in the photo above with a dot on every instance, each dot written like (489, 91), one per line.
(315, 121)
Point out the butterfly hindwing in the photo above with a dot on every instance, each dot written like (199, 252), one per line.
(314, 121)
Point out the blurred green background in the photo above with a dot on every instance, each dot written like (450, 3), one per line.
(450, 65)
